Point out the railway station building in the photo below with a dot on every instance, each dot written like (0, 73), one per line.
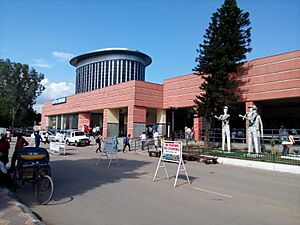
(111, 92)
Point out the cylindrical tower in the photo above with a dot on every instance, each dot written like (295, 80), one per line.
(105, 67)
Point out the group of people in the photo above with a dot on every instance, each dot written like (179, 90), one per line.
(94, 131)
(4, 159)
(127, 140)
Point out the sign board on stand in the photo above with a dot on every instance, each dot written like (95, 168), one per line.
(109, 151)
(171, 152)
(57, 148)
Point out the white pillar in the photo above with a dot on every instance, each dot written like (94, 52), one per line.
(161, 119)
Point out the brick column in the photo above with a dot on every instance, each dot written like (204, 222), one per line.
(198, 125)
(83, 119)
(136, 120)
(104, 131)
(44, 122)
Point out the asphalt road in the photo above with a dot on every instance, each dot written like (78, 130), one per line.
(86, 194)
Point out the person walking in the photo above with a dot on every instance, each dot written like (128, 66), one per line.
(126, 142)
(37, 139)
(143, 140)
(99, 141)
(20, 143)
(156, 140)
(187, 132)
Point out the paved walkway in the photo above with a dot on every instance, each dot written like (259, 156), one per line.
(12, 212)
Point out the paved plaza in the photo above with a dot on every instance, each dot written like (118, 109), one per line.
(218, 194)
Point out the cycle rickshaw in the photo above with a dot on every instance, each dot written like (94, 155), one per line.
(33, 167)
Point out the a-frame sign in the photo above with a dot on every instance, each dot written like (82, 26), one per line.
(172, 152)
(109, 152)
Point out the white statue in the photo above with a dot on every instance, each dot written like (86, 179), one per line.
(259, 128)
(252, 130)
(225, 128)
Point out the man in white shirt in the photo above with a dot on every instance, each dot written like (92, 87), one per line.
(156, 139)
(94, 132)
(97, 130)
(143, 140)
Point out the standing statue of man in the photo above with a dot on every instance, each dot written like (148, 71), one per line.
(225, 128)
(259, 129)
(252, 130)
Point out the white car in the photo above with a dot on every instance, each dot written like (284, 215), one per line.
(46, 136)
(76, 137)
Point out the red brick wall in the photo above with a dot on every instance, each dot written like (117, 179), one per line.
(267, 78)
(135, 115)
(181, 91)
(83, 119)
(273, 77)
(121, 95)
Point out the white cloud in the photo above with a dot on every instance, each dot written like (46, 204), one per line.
(38, 107)
(53, 90)
(62, 56)
(40, 63)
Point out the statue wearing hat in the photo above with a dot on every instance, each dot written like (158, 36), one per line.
(251, 117)
(259, 130)
(225, 127)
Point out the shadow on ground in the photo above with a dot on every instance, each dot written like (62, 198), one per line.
(75, 177)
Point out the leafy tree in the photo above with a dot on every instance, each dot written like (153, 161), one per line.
(19, 88)
(226, 41)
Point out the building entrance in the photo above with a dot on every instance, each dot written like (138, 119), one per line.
(96, 119)
(179, 118)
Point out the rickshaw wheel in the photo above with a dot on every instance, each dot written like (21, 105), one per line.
(44, 190)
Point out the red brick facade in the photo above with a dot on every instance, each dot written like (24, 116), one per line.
(275, 77)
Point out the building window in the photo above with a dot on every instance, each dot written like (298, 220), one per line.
(92, 76)
(101, 75)
(106, 74)
(123, 70)
(119, 72)
(98, 75)
(115, 71)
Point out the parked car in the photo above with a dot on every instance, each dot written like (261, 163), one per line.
(47, 136)
(76, 137)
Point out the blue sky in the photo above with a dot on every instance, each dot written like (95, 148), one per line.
(45, 34)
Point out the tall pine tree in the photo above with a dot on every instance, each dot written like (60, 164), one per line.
(221, 56)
